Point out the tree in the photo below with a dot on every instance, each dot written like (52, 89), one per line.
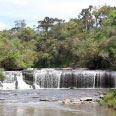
(86, 18)
(25, 34)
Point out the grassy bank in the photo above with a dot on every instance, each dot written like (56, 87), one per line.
(110, 99)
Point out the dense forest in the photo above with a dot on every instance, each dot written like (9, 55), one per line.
(86, 41)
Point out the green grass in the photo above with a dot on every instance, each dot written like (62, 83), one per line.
(110, 99)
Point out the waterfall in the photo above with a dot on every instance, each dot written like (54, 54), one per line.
(47, 78)
(78, 78)
(58, 78)
(21, 83)
(13, 80)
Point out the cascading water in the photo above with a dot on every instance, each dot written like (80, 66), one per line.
(59, 78)
(80, 78)
(47, 78)
(13, 80)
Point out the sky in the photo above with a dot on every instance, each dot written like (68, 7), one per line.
(34, 10)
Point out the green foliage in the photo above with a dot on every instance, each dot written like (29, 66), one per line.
(87, 41)
(110, 99)
(25, 34)
(2, 77)
(112, 18)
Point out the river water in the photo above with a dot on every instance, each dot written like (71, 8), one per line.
(27, 103)
(53, 109)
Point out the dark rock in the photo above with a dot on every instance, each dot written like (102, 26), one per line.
(114, 108)
(101, 96)
(44, 99)
(86, 99)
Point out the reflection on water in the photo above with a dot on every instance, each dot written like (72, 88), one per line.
(54, 109)
(27, 103)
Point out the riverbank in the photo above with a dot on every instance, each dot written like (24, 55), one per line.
(110, 99)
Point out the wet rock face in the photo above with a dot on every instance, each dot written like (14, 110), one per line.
(1, 84)
(28, 77)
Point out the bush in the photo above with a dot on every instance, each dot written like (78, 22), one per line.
(2, 69)
(2, 77)
(110, 99)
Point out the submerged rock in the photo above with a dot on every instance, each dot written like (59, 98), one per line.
(67, 101)
(44, 99)
(47, 99)
(35, 97)
(83, 102)
(2, 98)
(86, 99)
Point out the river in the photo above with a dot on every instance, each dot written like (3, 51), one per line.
(27, 103)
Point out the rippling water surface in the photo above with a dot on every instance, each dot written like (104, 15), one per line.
(27, 103)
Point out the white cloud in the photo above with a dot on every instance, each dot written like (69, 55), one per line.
(2, 26)
(32, 25)
(38, 9)
(35, 10)
(16, 2)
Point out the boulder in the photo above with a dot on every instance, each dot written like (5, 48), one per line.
(101, 96)
(44, 99)
(86, 99)
(67, 101)
(114, 108)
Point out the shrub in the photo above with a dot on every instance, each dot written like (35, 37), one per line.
(2, 77)
(110, 99)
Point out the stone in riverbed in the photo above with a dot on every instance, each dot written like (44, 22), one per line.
(101, 96)
(35, 97)
(86, 99)
(67, 101)
(84, 102)
(114, 108)
(2, 98)
(44, 99)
